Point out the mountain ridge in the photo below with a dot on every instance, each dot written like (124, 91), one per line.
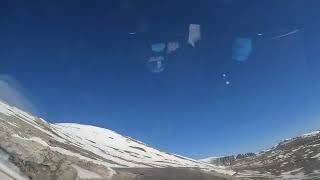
(51, 151)
(293, 158)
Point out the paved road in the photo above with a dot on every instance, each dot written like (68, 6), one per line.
(169, 174)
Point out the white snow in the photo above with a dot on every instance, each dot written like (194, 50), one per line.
(110, 148)
(124, 150)
(311, 133)
(4, 109)
(283, 164)
(315, 172)
(208, 160)
(316, 156)
(288, 140)
(7, 110)
(62, 150)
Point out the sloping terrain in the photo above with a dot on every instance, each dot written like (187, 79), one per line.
(296, 158)
(68, 151)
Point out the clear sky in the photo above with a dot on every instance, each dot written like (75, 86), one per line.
(78, 62)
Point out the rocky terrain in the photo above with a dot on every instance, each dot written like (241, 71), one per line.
(31, 148)
(296, 158)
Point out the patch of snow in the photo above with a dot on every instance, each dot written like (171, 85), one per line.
(316, 172)
(286, 141)
(311, 134)
(124, 150)
(64, 151)
(294, 150)
(70, 153)
(208, 160)
(316, 156)
(284, 156)
(5, 109)
(284, 163)
(23, 116)
(313, 145)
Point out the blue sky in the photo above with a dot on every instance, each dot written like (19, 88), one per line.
(78, 63)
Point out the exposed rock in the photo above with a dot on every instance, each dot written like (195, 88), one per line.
(240, 156)
(223, 161)
(296, 158)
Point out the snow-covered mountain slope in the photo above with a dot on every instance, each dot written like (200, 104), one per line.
(209, 159)
(295, 158)
(87, 148)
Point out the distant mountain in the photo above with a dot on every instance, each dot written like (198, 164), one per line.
(296, 158)
(31, 148)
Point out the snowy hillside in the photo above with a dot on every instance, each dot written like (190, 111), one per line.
(29, 137)
(121, 151)
(295, 158)
(209, 159)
